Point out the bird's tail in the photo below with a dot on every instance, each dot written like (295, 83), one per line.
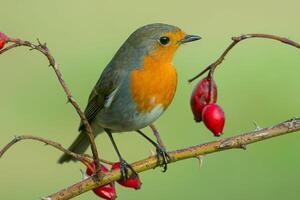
(79, 146)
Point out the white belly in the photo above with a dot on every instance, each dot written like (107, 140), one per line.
(128, 120)
(146, 118)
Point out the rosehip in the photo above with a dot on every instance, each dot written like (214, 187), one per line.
(90, 170)
(133, 181)
(213, 118)
(3, 39)
(107, 191)
(201, 97)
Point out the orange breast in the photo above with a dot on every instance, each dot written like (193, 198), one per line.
(153, 84)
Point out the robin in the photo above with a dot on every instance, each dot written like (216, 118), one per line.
(134, 89)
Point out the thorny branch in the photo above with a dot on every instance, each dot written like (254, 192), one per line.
(82, 158)
(235, 142)
(44, 50)
(235, 41)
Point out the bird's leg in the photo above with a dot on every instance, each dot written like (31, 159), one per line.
(123, 163)
(162, 156)
(159, 140)
(156, 134)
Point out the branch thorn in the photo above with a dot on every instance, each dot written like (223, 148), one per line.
(68, 101)
(243, 146)
(38, 40)
(45, 198)
(200, 158)
(83, 175)
(16, 138)
(257, 127)
(292, 123)
(152, 153)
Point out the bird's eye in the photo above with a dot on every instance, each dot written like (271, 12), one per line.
(164, 40)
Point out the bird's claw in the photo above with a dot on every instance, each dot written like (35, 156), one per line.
(163, 158)
(124, 170)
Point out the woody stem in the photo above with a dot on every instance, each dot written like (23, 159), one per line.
(238, 39)
(46, 52)
(82, 158)
(238, 141)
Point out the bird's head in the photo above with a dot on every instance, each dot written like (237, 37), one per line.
(160, 41)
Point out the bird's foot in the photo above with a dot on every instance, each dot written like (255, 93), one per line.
(163, 157)
(124, 170)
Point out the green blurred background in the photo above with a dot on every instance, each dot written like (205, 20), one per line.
(257, 82)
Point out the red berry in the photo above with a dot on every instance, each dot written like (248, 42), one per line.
(3, 39)
(133, 181)
(107, 191)
(201, 97)
(214, 118)
(90, 170)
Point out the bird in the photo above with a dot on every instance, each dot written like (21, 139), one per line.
(134, 89)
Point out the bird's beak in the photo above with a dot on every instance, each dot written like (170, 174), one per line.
(189, 38)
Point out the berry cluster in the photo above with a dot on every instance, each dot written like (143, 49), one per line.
(204, 107)
(108, 191)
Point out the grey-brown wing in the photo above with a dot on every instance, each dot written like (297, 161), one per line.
(94, 105)
(110, 80)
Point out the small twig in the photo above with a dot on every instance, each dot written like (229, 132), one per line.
(44, 50)
(83, 158)
(235, 41)
(239, 141)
